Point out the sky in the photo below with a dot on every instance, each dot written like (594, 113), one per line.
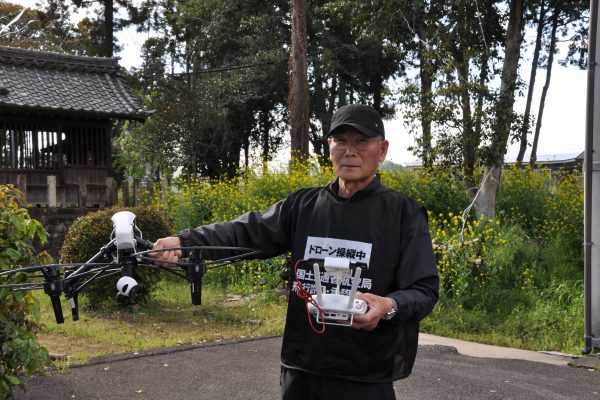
(563, 123)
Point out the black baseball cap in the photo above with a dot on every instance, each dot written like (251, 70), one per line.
(359, 116)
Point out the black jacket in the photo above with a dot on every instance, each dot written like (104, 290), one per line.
(378, 226)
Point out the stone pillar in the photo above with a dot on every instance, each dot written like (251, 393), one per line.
(111, 191)
(150, 192)
(137, 195)
(164, 191)
(51, 179)
(82, 191)
(125, 194)
(22, 185)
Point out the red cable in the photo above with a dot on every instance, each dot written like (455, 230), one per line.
(304, 295)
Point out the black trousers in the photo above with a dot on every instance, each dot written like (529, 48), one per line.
(299, 385)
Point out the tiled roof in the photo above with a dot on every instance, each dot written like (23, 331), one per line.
(61, 83)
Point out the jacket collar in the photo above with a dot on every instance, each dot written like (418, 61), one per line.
(334, 188)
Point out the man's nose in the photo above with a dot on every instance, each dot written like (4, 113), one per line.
(350, 145)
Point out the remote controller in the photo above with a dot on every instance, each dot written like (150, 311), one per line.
(336, 308)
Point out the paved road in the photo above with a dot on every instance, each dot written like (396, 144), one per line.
(249, 369)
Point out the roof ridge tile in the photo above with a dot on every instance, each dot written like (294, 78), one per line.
(52, 60)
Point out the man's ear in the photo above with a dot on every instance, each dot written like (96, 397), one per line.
(384, 149)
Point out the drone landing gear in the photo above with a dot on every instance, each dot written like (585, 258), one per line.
(194, 273)
(53, 287)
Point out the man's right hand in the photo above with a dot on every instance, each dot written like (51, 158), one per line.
(169, 256)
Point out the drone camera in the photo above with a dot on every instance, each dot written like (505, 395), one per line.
(127, 289)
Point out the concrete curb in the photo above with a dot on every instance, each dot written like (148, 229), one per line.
(109, 358)
(488, 351)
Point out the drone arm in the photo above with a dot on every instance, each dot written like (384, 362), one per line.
(143, 244)
(268, 232)
(70, 283)
(107, 249)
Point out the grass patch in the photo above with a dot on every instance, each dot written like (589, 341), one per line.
(169, 320)
(549, 319)
(543, 320)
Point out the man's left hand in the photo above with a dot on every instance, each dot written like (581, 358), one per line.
(378, 308)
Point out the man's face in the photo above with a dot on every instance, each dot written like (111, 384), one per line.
(355, 156)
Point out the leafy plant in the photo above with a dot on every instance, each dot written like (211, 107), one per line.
(20, 351)
(439, 190)
(203, 201)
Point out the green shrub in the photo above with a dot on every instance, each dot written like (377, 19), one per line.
(523, 197)
(492, 257)
(462, 260)
(90, 232)
(512, 259)
(560, 260)
(250, 276)
(440, 190)
(546, 204)
(198, 201)
(20, 351)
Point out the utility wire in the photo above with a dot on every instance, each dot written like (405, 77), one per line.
(232, 68)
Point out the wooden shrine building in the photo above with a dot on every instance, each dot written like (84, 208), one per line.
(57, 114)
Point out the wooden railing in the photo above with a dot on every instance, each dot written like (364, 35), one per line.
(83, 194)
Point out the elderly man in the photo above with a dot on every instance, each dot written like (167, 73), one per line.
(354, 217)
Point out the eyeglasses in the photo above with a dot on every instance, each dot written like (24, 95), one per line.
(360, 142)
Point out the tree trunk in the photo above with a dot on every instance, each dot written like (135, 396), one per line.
(376, 89)
(425, 74)
(483, 77)
(231, 143)
(534, 67)
(469, 141)
(265, 127)
(486, 204)
(108, 28)
(298, 83)
(538, 125)
(320, 111)
(246, 145)
(341, 88)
